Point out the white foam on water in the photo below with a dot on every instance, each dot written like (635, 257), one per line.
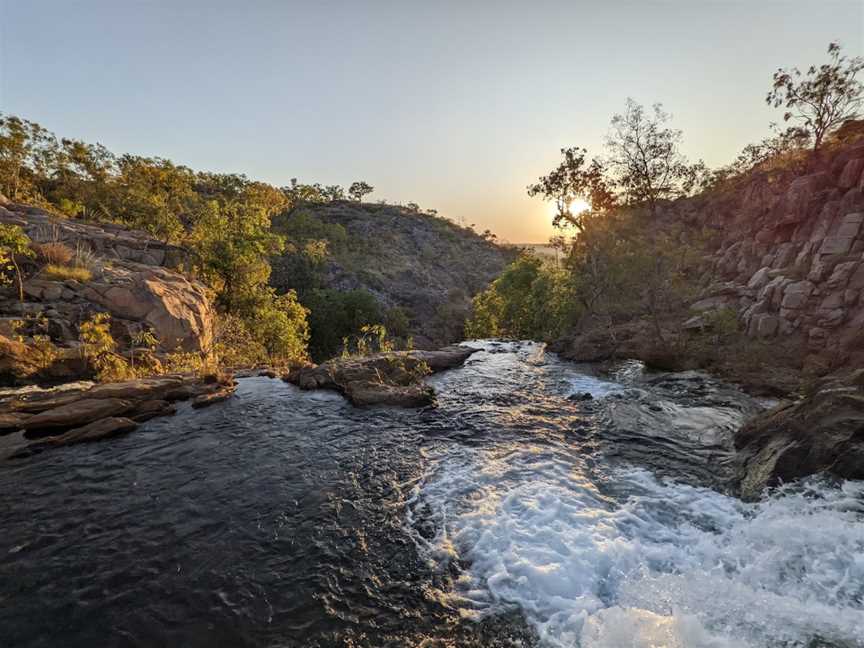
(659, 565)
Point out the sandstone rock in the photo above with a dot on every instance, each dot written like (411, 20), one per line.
(823, 432)
(78, 412)
(136, 389)
(832, 301)
(12, 421)
(217, 396)
(797, 294)
(95, 431)
(133, 286)
(856, 279)
(801, 194)
(842, 271)
(766, 325)
(832, 318)
(851, 173)
(361, 394)
(836, 245)
(151, 409)
(760, 279)
(381, 379)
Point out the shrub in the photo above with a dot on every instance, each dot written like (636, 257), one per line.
(63, 272)
(14, 243)
(184, 362)
(99, 348)
(54, 252)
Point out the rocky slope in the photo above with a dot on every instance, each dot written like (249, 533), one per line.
(791, 261)
(424, 264)
(133, 279)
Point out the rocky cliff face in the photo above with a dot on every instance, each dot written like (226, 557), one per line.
(424, 264)
(133, 281)
(791, 260)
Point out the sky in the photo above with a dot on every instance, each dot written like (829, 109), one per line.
(456, 105)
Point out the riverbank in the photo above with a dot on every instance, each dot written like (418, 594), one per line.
(35, 419)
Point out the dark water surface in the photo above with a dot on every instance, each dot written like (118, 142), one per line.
(508, 516)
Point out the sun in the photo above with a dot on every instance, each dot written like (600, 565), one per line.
(577, 206)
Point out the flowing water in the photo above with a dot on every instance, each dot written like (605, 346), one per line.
(510, 515)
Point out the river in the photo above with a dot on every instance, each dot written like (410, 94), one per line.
(519, 512)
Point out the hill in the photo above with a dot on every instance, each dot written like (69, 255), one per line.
(422, 270)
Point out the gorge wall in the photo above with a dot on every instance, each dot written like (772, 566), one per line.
(790, 259)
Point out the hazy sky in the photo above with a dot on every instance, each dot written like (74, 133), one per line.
(454, 105)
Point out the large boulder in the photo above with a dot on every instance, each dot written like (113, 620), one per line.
(821, 432)
(178, 309)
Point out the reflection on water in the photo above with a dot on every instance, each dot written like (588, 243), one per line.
(510, 515)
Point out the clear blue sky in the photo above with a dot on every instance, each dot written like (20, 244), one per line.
(456, 105)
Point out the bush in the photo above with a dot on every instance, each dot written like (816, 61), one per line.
(55, 253)
(99, 348)
(63, 272)
(529, 300)
(336, 315)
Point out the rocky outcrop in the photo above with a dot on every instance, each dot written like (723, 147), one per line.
(822, 432)
(84, 412)
(423, 264)
(133, 280)
(382, 379)
(791, 258)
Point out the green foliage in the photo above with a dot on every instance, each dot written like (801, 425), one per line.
(99, 348)
(822, 98)
(232, 243)
(359, 189)
(529, 300)
(372, 338)
(336, 315)
(14, 243)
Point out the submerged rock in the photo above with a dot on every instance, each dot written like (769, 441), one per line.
(383, 378)
(823, 432)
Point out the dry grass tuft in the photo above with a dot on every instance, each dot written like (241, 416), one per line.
(54, 252)
(59, 272)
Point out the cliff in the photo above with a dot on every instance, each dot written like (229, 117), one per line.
(791, 258)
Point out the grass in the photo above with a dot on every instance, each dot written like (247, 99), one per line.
(54, 252)
(57, 272)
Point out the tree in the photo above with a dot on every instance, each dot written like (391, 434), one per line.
(359, 189)
(232, 243)
(575, 179)
(645, 160)
(26, 153)
(823, 97)
(14, 243)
